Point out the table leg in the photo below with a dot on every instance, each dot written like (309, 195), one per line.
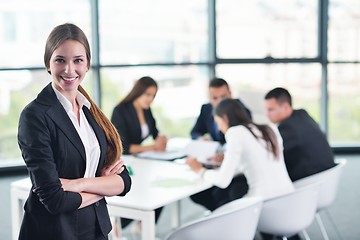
(147, 219)
(18, 198)
(148, 226)
(176, 214)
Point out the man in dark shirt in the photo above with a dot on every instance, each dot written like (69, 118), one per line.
(306, 149)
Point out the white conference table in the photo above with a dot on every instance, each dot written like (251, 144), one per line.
(154, 184)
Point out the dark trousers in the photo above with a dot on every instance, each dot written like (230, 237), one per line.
(266, 236)
(126, 221)
(215, 197)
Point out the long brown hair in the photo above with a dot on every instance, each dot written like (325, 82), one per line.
(70, 31)
(114, 148)
(139, 88)
(237, 115)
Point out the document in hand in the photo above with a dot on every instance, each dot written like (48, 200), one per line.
(202, 149)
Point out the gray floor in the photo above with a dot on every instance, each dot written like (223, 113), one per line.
(341, 219)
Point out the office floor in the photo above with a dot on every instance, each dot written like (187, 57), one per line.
(341, 219)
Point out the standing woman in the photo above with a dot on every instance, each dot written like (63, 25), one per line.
(252, 149)
(71, 150)
(134, 121)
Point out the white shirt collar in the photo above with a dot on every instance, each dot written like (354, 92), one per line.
(80, 98)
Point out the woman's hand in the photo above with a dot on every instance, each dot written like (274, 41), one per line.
(71, 185)
(218, 158)
(108, 184)
(115, 168)
(194, 164)
(160, 143)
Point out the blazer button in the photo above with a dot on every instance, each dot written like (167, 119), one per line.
(97, 203)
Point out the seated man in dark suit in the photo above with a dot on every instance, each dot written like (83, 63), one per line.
(306, 149)
(205, 124)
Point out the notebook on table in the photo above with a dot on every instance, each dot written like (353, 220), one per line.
(200, 149)
(159, 155)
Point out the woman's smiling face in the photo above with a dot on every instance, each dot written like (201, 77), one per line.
(68, 66)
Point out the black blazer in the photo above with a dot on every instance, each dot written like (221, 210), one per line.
(205, 123)
(306, 149)
(52, 149)
(126, 121)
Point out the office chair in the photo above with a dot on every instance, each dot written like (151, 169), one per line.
(329, 181)
(235, 220)
(289, 214)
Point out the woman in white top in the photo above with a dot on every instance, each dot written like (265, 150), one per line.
(252, 149)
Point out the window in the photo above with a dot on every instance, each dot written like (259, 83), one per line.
(26, 25)
(158, 31)
(18, 88)
(344, 30)
(344, 104)
(344, 73)
(259, 29)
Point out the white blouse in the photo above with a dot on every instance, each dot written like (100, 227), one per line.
(85, 131)
(144, 130)
(267, 177)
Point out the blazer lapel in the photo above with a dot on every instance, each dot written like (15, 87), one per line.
(58, 114)
(136, 123)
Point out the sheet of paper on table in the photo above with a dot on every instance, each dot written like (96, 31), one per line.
(200, 149)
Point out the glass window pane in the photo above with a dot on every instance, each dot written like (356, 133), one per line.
(141, 31)
(257, 29)
(182, 91)
(344, 104)
(344, 30)
(250, 82)
(18, 88)
(25, 25)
